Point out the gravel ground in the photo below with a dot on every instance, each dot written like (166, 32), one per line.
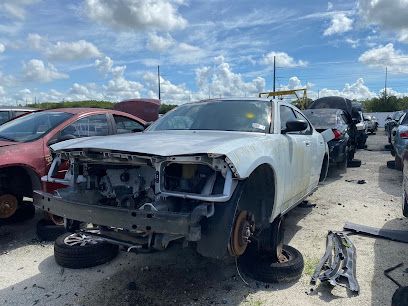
(29, 275)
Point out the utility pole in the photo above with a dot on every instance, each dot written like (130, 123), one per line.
(158, 79)
(385, 87)
(274, 74)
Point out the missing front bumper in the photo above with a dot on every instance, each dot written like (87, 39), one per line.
(184, 224)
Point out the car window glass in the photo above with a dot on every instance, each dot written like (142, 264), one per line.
(4, 116)
(231, 115)
(19, 113)
(126, 125)
(96, 125)
(301, 117)
(286, 114)
(32, 126)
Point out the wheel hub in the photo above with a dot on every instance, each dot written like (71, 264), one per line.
(8, 205)
(243, 229)
(56, 219)
(81, 239)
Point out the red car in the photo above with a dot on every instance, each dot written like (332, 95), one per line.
(24, 146)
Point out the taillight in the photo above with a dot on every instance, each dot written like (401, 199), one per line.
(337, 134)
(404, 135)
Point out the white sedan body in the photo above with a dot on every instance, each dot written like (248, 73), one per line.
(295, 158)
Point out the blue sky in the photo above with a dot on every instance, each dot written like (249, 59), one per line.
(110, 49)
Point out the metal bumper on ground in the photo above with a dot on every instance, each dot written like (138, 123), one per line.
(185, 224)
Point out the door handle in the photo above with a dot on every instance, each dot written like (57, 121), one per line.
(307, 144)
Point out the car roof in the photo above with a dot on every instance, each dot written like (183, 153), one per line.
(87, 110)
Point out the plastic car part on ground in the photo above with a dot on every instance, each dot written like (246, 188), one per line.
(395, 235)
(338, 264)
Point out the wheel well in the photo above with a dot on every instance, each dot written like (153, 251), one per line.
(258, 196)
(20, 180)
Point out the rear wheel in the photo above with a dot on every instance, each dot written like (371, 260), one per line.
(324, 170)
(343, 164)
(398, 163)
(261, 266)
(8, 205)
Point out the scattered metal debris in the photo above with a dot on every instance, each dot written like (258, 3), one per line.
(338, 264)
(360, 182)
(389, 270)
(395, 235)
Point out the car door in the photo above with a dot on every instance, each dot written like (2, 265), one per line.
(293, 153)
(310, 144)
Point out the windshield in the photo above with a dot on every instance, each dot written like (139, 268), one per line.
(32, 126)
(243, 116)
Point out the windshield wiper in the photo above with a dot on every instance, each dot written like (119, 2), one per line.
(7, 138)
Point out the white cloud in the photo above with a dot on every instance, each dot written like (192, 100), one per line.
(386, 56)
(329, 6)
(185, 53)
(2, 48)
(170, 92)
(61, 50)
(136, 15)
(282, 60)
(159, 43)
(72, 51)
(104, 65)
(340, 23)
(221, 81)
(16, 8)
(388, 15)
(353, 42)
(36, 70)
(356, 91)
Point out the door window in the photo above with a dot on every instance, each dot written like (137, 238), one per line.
(126, 125)
(286, 114)
(300, 116)
(96, 125)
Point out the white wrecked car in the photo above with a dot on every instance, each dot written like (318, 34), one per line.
(218, 175)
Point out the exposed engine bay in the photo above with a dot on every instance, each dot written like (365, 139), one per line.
(155, 199)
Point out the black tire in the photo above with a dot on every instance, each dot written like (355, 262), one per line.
(88, 255)
(405, 205)
(324, 170)
(260, 267)
(270, 240)
(398, 163)
(400, 297)
(355, 163)
(343, 164)
(24, 212)
(48, 231)
(391, 164)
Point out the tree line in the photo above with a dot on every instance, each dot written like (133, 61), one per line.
(385, 104)
(164, 108)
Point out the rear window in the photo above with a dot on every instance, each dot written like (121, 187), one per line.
(321, 119)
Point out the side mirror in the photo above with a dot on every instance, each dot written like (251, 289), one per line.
(295, 126)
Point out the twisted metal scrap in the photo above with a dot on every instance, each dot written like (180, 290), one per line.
(338, 264)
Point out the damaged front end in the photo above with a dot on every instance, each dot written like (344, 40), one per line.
(143, 201)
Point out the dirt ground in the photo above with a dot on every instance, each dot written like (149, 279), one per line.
(30, 276)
